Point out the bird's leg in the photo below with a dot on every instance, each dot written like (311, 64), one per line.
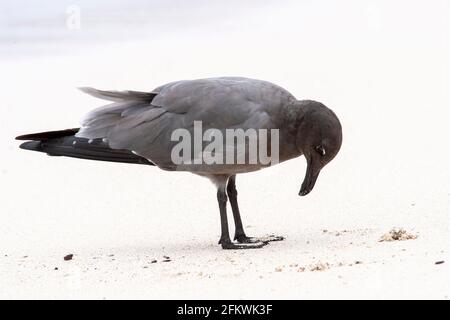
(232, 193)
(225, 240)
(240, 235)
(222, 199)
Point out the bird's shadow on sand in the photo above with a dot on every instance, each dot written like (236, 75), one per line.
(305, 240)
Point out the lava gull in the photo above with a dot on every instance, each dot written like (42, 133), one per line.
(215, 128)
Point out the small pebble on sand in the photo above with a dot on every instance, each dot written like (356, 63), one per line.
(68, 257)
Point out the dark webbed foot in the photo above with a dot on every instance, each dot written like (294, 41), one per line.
(266, 239)
(235, 246)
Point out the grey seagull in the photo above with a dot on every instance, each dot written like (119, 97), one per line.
(137, 127)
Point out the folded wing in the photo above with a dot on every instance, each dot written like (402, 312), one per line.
(144, 122)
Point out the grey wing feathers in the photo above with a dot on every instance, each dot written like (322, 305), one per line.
(119, 95)
(125, 123)
(129, 108)
(143, 122)
(129, 114)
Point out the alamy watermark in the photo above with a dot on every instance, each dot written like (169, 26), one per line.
(73, 17)
(226, 146)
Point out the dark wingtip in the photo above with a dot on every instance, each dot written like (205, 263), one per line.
(48, 135)
(24, 137)
(30, 145)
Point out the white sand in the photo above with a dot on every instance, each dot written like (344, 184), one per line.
(387, 81)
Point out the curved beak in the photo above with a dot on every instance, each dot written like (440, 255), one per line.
(312, 172)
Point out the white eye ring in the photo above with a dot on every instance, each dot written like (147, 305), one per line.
(321, 150)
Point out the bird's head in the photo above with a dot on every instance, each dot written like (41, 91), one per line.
(319, 138)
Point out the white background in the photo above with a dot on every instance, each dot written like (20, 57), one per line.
(382, 66)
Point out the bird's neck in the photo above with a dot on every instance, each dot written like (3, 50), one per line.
(292, 116)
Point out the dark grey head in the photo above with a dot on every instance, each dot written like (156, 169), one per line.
(319, 138)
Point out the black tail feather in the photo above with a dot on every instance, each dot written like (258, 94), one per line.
(64, 143)
(48, 135)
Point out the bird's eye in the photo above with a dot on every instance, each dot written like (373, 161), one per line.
(321, 150)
